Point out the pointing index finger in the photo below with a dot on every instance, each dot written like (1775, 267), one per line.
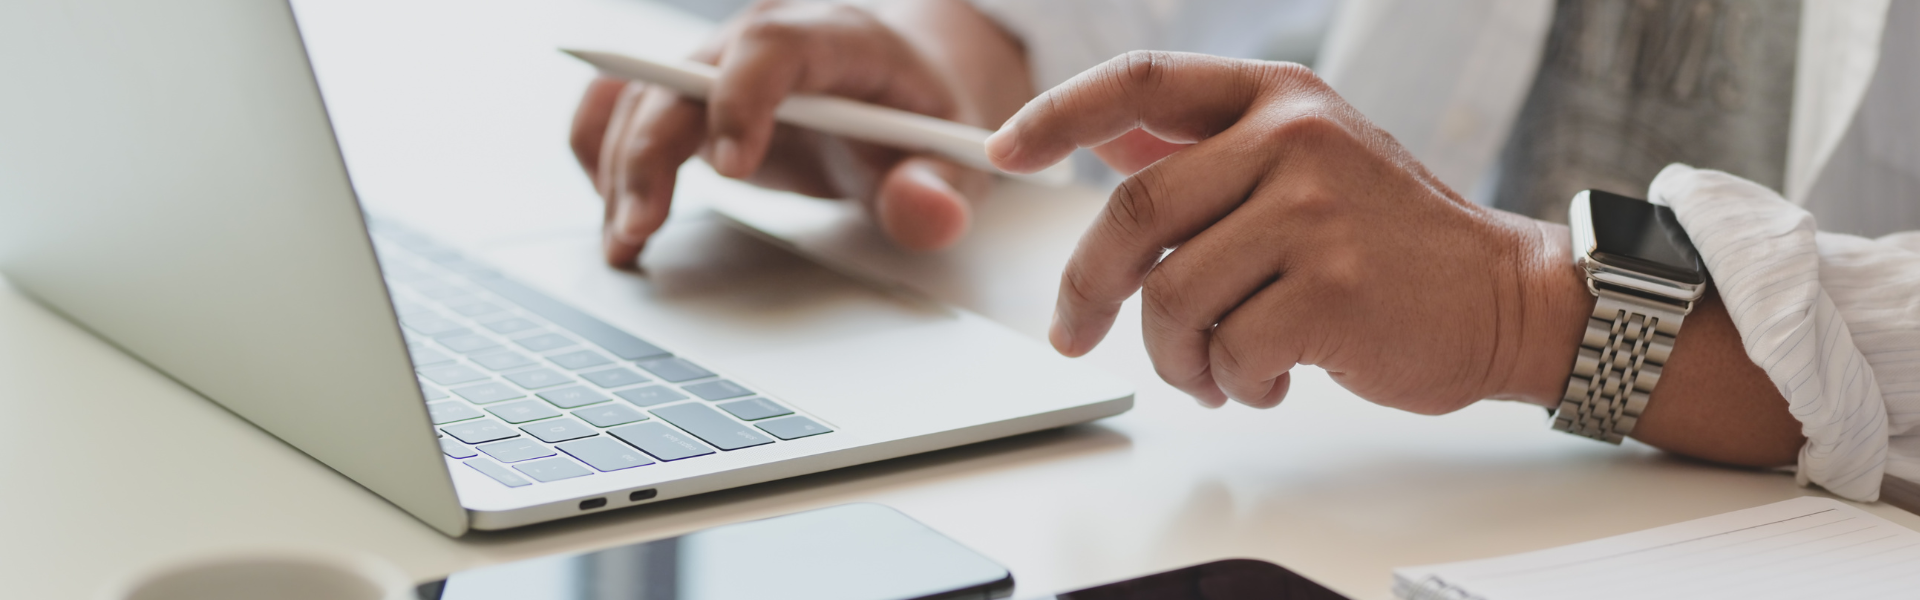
(1176, 96)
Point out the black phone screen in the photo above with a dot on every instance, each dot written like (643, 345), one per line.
(850, 552)
(1237, 579)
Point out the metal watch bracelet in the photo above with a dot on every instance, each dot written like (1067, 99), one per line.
(1627, 342)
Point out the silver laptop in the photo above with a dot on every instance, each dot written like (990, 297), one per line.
(169, 179)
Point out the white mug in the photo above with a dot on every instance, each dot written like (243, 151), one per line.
(261, 574)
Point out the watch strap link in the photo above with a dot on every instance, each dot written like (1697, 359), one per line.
(1627, 342)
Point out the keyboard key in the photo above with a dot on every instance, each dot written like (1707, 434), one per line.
(456, 449)
(610, 415)
(489, 392)
(498, 473)
(431, 393)
(573, 397)
(675, 369)
(754, 409)
(661, 441)
(468, 344)
(479, 432)
(510, 325)
(474, 308)
(614, 377)
(452, 374)
(516, 450)
(793, 427)
(651, 395)
(523, 411)
(559, 430)
(620, 343)
(579, 359)
(605, 454)
(553, 469)
(717, 390)
(501, 361)
(544, 342)
(703, 421)
(539, 378)
(427, 356)
(430, 325)
(448, 412)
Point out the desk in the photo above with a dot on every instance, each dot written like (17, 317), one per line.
(109, 465)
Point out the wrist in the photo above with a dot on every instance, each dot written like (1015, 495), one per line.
(1555, 305)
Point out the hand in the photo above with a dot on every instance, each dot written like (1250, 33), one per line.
(937, 57)
(1301, 234)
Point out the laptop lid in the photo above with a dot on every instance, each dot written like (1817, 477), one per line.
(169, 180)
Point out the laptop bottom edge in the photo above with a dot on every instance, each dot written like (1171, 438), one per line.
(494, 520)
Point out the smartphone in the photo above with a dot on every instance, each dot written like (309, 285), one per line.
(1236, 579)
(848, 552)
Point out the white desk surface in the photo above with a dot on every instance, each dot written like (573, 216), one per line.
(110, 466)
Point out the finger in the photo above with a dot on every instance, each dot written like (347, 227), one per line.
(619, 124)
(665, 132)
(920, 205)
(1175, 96)
(1194, 288)
(1158, 208)
(1254, 347)
(1134, 150)
(805, 49)
(591, 119)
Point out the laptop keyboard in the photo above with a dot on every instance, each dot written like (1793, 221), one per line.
(526, 389)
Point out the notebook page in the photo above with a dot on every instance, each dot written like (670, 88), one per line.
(1801, 548)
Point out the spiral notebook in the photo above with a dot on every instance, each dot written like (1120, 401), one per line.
(1801, 548)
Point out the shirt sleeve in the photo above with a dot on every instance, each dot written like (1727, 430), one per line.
(1065, 37)
(1834, 320)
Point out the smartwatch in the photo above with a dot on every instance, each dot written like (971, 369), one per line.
(1645, 276)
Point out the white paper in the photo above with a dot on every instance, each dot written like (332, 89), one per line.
(1801, 548)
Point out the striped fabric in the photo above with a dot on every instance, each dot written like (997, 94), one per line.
(1833, 319)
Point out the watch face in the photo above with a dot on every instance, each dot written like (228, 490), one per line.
(1642, 236)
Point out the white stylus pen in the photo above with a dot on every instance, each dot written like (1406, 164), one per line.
(964, 144)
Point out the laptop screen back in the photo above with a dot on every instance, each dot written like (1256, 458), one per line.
(169, 180)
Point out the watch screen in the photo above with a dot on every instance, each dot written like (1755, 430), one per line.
(1643, 236)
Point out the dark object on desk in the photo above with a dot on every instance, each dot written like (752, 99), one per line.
(1233, 579)
(1901, 493)
(848, 552)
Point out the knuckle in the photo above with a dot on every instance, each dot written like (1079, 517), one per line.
(1307, 129)
(1075, 287)
(1165, 300)
(1137, 72)
(1228, 367)
(1312, 203)
(1135, 205)
(1341, 276)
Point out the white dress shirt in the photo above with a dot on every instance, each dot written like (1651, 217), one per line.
(1834, 319)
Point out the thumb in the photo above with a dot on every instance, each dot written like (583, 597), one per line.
(919, 203)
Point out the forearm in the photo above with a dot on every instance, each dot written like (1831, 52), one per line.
(1712, 403)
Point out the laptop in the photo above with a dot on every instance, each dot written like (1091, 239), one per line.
(170, 180)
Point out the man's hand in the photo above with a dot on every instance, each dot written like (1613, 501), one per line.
(937, 57)
(1301, 234)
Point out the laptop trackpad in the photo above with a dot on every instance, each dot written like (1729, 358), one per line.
(840, 348)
